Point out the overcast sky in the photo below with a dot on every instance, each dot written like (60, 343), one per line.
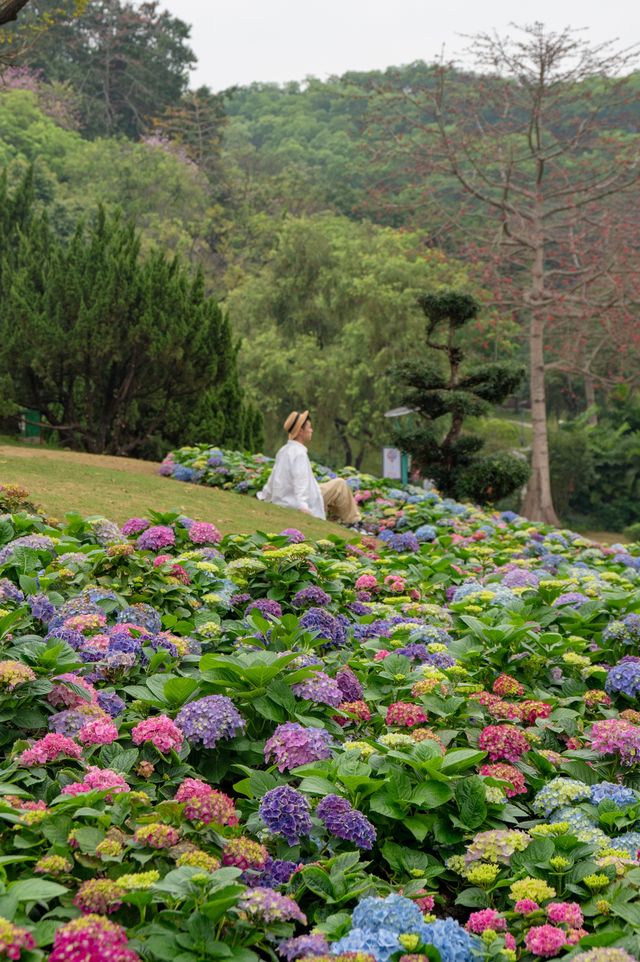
(241, 41)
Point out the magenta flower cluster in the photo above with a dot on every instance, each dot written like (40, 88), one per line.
(160, 731)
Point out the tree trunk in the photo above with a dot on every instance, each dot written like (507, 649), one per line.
(9, 10)
(538, 502)
(590, 398)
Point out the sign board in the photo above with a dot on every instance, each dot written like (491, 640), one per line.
(391, 463)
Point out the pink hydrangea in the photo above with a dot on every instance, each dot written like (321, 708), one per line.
(201, 532)
(616, 736)
(479, 922)
(91, 938)
(157, 835)
(98, 779)
(86, 623)
(100, 731)
(206, 804)
(13, 939)
(381, 655)
(503, 741)
(565, 913)
(506, 773)
(61, 696)
(99, 895)
(406, 714)
(366, 583)
(526, 907)
(545, 940)
(161, 731)
(49, 749)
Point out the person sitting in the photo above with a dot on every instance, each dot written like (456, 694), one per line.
(292, 484)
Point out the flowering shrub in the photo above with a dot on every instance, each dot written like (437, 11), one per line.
(257, 744)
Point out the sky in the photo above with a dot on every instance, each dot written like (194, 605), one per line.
(242, 41)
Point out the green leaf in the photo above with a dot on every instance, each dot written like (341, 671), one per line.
(318, 882)
(176, 691)
(36, 890)
(431, 794)
(315, 785)
(630, 913)
(459, 759)
(473, 898)
(470, 796)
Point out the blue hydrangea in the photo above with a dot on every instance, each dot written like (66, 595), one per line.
(426, 532)
(624, 678)
(619, 794)
(401, 543)
(322, 624)
(509, 516)
(630, 842)
(394, 913)
(451, 940)
(9, 591)
(557, 793)
(141, 614)
(381, 944)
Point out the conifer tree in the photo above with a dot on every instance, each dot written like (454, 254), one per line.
(441, 400)
(121, 354)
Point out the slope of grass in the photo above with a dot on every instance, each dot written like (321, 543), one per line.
(118, 488)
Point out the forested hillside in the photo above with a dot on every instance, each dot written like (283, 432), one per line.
(319, 211)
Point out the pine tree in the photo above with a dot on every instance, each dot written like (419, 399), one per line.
(442, 399)
(121, 354)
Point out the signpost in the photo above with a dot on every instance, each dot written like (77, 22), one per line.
(394, 458)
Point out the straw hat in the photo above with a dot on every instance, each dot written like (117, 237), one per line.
(294, 423)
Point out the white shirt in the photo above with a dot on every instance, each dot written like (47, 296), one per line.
(292, 484)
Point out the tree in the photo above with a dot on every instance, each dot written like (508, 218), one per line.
(119, 354)
(130, 62)
(323, 321)
(436, 389)
(545, 168)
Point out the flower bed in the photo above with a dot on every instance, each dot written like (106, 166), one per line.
(262, 747)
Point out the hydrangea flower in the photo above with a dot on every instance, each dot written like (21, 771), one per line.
(303, 946)
(624, 678)
(13, 939)
(14, 673)
(267, 905)
(322, 624)
(319, 688)
(311, 597)
(507, 773)
(205, 804)
(558, 793)
(91, 938)
(349, 684)
(49, 749)
(156, 537)
(503, 742)
(292, 744)
(613, 792)
(345, 822)
(209, 720)
(545, 940)
(160, 731)
(99, 895)
(285, 811)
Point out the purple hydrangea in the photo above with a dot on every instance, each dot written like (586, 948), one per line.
(293, 535)
(210, 719)
(345, 822)
(266, 606)
(325, 625)
(572, 599)
(236, 601)
(349, 684)
(111, 703)
(134, 526)
(311, 596)
(142, 615)
(268, 905)
(41, 608)
(521, 578)
(36, 542)
(157, 537)
(286, 812)
(406, 541)
(75, 639)
(292, 744)
(274, 872)
(624, 678)
(320, 689)
(303, 945)
(9, 591)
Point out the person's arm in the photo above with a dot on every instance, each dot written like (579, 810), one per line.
(300, 477)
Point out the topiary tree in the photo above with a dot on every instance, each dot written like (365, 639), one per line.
(442, 395)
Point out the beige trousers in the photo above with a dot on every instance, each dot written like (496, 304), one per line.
(339, 502)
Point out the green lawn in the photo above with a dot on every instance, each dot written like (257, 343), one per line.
(118, 488)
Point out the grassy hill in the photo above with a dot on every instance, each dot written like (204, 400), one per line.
(120, 488)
